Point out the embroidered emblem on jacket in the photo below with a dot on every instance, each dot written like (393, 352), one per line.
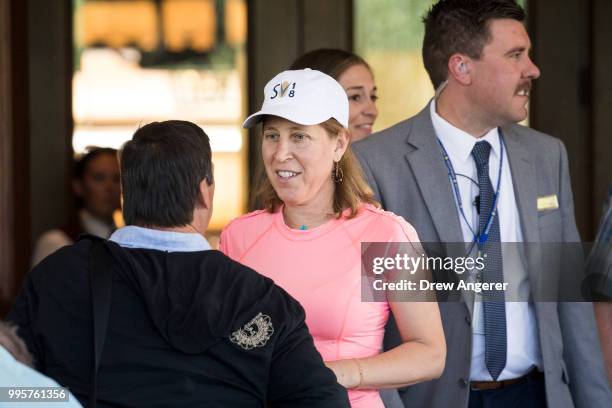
(255, 333)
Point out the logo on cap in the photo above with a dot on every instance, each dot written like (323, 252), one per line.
(284, 87)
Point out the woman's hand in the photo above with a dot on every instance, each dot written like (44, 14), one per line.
(348, 372)
(420, 357)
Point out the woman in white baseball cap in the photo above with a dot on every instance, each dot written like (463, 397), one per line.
(318, 211)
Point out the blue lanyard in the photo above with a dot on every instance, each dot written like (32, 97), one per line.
(480, 238)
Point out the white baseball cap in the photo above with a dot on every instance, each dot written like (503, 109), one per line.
(305, 96)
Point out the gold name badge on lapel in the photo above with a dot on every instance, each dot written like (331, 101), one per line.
(548, 202)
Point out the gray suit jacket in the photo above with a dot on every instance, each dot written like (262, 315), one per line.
(405, 168)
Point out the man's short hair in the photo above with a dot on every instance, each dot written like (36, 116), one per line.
(161, 171)
(461, 26)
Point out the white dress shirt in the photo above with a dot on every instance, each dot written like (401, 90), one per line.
(523, 349)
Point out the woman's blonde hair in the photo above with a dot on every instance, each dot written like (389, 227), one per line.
(350, 193)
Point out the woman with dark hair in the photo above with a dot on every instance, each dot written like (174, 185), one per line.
(318, 212)
(355, 76)
(97, 194)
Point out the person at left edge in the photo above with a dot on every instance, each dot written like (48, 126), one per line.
(16, 373)
(187, 325)
(309, 238)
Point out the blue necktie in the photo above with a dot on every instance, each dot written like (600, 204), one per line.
(493, 304)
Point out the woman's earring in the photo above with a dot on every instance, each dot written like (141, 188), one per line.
(337, 173)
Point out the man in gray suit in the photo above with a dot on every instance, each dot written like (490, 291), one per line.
(462, 170)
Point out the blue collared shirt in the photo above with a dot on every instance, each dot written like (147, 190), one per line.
(170, 241)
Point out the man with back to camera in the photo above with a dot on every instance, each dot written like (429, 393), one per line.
(500, 354)
(187, 326)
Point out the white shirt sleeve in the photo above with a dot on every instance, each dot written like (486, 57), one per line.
(48, 243)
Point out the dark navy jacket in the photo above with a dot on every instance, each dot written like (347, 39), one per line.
(187, 329)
